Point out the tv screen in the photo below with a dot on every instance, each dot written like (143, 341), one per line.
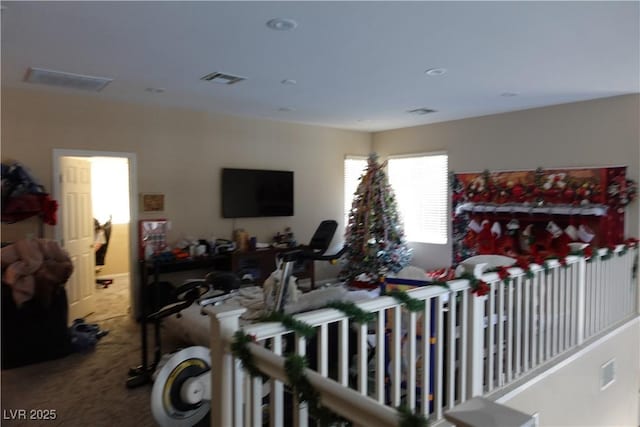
(256, 193)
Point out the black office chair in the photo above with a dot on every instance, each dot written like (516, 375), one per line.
(101, 252)
(322, 237)
(318, 245)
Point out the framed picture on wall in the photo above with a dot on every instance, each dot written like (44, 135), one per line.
(152, 202)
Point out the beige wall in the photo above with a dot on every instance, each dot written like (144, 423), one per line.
(180, 153)
(602, 132)
(578, 386)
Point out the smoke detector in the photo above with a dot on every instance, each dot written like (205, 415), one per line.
(66, 80)
(222, 78)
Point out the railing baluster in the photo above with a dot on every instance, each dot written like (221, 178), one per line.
(343, 352)
(425, 382)
(510, 339)
(517, 313)
(500, 341)
(239, 384)
(276, 400)
(581, 301)
(548, 324)
(439, 362)
(462, 339)
(526, 326)
(396, 356)
(255, 401)
(540, 313)
(601, 294)
(556, 310)
(363, 369)
(380, 357)
(575, 290)
(301, 415)
(451, 351)
(476, 347)
(489, 349)
(411, 360)
(323, 350)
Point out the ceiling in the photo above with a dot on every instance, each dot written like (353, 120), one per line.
(356, 65)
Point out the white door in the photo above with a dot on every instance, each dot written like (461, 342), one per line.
(78, 233)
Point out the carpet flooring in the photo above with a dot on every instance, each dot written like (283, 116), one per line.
(86, 389)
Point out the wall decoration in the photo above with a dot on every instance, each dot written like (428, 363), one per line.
(152, 202)
(538, 212)
(152, 237)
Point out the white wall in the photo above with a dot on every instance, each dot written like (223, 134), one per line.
(571, 395)
(603, 132)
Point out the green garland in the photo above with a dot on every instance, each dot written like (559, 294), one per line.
(294, 367)
(240, 350)
(412, 304)
(440, 283)
(410, 419)
(301, 328)
(352, 311)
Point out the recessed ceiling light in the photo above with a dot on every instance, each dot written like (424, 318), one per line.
(282, 24)
(288, 82)
(509, 94)
(435, 71)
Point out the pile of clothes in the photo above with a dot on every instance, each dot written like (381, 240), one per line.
(23, 197)
(34, 268)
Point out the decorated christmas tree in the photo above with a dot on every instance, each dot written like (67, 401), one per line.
(375, 237)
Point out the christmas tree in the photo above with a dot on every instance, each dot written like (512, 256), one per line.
(375, 237)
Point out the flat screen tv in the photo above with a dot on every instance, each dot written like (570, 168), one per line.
(248, 193)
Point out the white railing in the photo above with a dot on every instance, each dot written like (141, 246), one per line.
(459, 346)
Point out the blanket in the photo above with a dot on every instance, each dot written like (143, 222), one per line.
(34, 268)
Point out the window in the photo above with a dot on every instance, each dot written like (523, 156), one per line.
(354, 166)
(420, 183)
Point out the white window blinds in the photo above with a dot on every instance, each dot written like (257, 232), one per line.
(420, 183)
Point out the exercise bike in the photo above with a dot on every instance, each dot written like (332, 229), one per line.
(215, 288)
(181, 394)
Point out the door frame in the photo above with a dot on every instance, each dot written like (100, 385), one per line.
(58, 153)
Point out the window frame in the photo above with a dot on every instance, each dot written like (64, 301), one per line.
(447, 210)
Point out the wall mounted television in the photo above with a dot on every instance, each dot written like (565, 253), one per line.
(251, 193)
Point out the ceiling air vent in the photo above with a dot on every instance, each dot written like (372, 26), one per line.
(222, 78)
(66, 80)
(421, 111)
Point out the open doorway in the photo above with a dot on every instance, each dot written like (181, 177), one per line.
(109, 199)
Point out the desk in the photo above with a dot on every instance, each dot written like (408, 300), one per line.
(260, 263)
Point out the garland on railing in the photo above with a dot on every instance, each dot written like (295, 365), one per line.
(411, 419)
(525, 263)
(299, 327)
(304, 391)
(240, 350)
(412, 304)
(478, 287)
(352, 311)
(294, 367)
